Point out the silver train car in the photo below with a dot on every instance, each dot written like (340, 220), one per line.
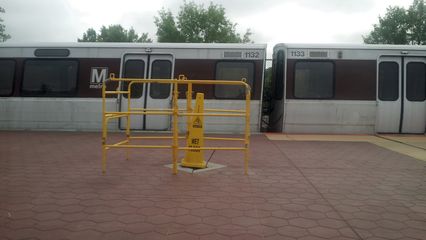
(315, 88)
(361, 89)
(58, 86)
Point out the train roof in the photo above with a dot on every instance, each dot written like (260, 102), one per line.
(116, 50)
(134, 45)
(351, 46)
(210, 45)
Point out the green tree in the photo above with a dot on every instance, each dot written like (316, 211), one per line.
(89, 36)
(400, 26)
(417, 22)
(194, 23)
(3, 35)
(166, 28)
(114, 33)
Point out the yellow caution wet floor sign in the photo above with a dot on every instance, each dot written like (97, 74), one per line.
(194, 158)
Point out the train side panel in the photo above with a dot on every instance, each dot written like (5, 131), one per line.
(70, 97)
(346, 89)
(348, 108)
(82, 111)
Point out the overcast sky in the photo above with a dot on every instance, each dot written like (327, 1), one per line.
(271, 21)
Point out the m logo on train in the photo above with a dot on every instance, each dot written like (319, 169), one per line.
(98, 76)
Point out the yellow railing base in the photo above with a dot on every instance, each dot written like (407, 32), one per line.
(194, 150)
(197, 164)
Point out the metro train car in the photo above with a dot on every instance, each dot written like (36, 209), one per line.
(365, 89)
(316, 88)
(57, 86)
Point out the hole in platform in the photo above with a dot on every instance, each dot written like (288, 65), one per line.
(210, 166)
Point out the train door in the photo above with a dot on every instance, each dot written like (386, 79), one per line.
(401, 93)
(158, 95)
(276, 112)
(414, 108)
(151, 95)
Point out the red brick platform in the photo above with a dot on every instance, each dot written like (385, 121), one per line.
(51, 187)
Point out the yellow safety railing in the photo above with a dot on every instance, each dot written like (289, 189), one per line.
(175, 112)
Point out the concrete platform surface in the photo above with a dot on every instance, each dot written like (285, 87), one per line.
(410, 145)
(51, 187)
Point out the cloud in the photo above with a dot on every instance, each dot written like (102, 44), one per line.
(345, 6)
(37, 21)
(245, 7)
(353, 37)
(232, 8)
(128, 13)
(290, 20)
(269, 20)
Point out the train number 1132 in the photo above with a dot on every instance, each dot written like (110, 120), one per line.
(251, 55)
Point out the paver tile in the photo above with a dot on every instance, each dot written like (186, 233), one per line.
(294, 190)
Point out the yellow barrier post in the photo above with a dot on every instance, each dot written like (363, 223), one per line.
(175, 144)
(247, 129)
(188, 107)
(194, 158)
(104, 129)
(129, 96)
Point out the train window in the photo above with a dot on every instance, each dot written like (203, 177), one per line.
(161, 69)
(416, 81)
(134, 69)
(388, 81)
(233, 71)
(314, 80)
(50, 78)
(278, 76)
(48, 52)
(7, 72)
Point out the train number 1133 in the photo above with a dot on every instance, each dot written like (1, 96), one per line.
(297, 53)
